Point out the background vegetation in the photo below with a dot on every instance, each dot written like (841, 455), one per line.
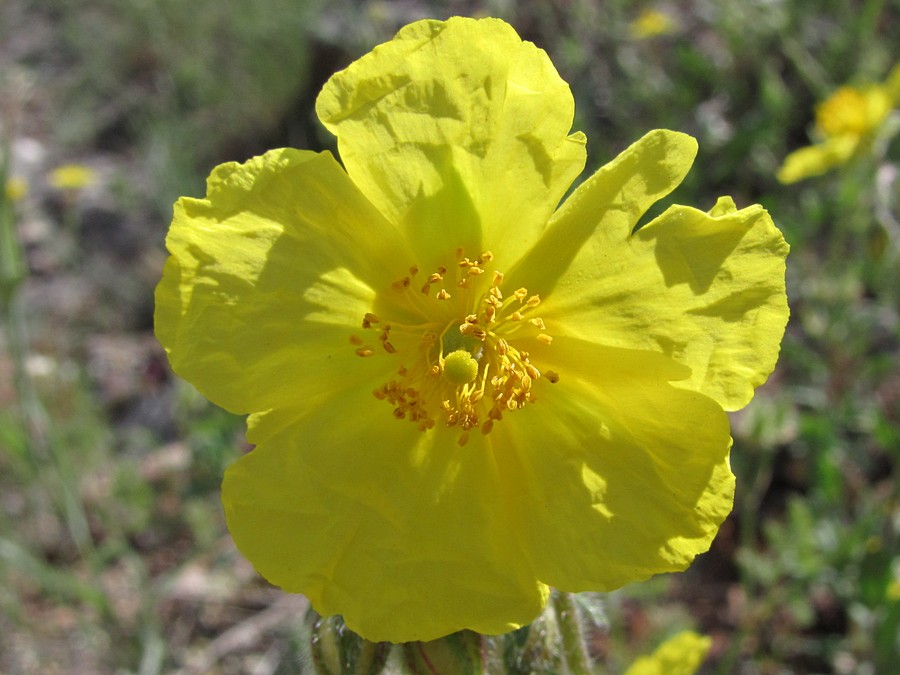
(113, 553)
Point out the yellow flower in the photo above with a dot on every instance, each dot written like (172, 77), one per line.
(16, 188)
(651, 23)
(460, 395)
(71, 177)
(679, 655)
(847, 123)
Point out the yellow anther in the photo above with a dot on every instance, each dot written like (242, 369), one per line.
(487, 256)
(443, 294)
(434, 277)
(401, 284)
(517, 316)
(546, 339)
(539, 322)
(475, 271)
(533, 301)
(498, 279)
(364, 351)
(521, 294)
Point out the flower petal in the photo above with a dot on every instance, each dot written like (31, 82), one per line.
(707, 289)
(817, 159)
(458, 131)
(267, 278)
(621, 474)
(404, 533)
(607, 205)
(681, 654)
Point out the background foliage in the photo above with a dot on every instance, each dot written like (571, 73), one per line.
(113, 553)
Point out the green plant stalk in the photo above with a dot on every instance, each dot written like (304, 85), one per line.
(574, 651)
(34, 416)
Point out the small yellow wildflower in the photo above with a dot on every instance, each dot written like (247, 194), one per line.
(459, 394)
(16, 188)
(847, 123)
(651, 23)
(71, 177)
(679, 655)
(893, 590)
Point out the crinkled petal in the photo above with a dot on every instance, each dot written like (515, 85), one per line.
(608, 204)
(458, 131)
(708, 289)
(815, 160)
(268, 277)
(404, 533)
(621, 474)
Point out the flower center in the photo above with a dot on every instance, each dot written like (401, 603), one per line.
(458, 365)
(844, 112)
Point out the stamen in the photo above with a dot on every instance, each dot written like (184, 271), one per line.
(462, 373)
(401, 284)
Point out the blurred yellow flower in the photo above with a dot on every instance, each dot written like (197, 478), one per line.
(16, 189)
(651, 23)
(847, 123)
(71, 177)
(679, 655)
(459, 394)
(893, 590)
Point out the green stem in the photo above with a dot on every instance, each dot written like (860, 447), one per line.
(574, 650)
(35, 420)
